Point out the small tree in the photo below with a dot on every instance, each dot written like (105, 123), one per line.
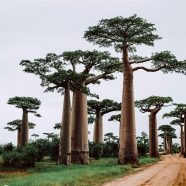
(28, 105)
(35, 136)
(125, 34)
(143, 144)
(153, 105)
(16, 125)
(100, 108)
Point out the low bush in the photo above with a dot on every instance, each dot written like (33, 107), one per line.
(20, 158)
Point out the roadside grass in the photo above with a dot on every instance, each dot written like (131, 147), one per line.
(47, 173)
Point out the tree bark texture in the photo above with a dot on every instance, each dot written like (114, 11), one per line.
(98, 129)
(153, 136)
(165, 143)
(181, 139)
(24, 128)
(80, 149)
(18, 138)
(65, 131)
(127, 140)
(184, 135)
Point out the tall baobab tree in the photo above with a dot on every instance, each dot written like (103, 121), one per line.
(16, 126)
(99, 109)
(28, 105)
(153, 105)
(125, 34)
(179, 112)
(94, 66)
(180, 123)
(63, 76)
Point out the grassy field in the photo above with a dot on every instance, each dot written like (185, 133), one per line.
(46, 173)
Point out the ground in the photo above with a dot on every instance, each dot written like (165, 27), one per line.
(171, 171)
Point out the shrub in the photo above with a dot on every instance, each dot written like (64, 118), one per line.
(54, 149)
(95, 150)
(8, 147)
(42, 147)
(1, 149)
(20, 158)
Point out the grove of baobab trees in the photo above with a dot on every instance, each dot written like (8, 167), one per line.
(125, 34)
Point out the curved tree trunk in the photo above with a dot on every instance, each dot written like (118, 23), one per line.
(98, 129)
(127, 140)
(153, 137)
(80, 149)
(65, 131)
(18, 138)
(181, 140)
(24, 128)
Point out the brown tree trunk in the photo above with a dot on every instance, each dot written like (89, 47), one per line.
(18, 138)
(98, 129)
(181, 139)
(24, 128)
(165, 143)
(127, 140)
(184, 135)
(153, 137)
(80, 149)
(65, 131)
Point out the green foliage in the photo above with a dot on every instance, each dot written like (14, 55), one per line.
(152, 102)
(28, 103)
(8, 147)
(16, 125)
(121, 31)
(176, 148)
(115, 118)
(54, 149)
(1, 149)
(57, 126)
(42, 147)
(20, 158)
(110, 148)
(95, 150)
(143, 144)
(105, 106)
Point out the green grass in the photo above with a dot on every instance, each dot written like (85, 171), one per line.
(46, 173)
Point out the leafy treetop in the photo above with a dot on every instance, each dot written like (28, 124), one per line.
(116, 117)
(16, 125)
(129, 32)
(152, 103)
(29, 104)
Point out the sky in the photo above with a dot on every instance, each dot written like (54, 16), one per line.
(31, 29)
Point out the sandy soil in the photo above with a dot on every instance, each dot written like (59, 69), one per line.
(171, 171)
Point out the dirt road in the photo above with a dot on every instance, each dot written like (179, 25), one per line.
(171, 171)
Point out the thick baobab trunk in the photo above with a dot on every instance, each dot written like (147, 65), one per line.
(98, 129)
(65, 131)
(80, 149)
(18, 138)
(153, 137)
(127, 140)
(184, 135)
(24, 128)
(165, 143)
(181, 139)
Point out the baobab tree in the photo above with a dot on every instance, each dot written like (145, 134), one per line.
(168, 134)
(179, 112)
(99, 109)
(94, 66)
(28, 105)
(153, 105)
(35, 136)
(56, 74)
(16, 126)
(125, 34)
(180, 123)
